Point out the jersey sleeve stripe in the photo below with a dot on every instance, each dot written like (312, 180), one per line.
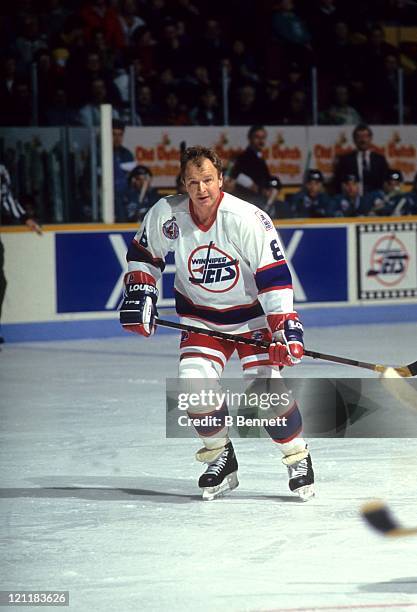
(271, 278)
(137, 252)
(275, 288)
(272, 265)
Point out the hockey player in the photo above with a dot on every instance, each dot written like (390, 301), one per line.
(311, 201)
(231, 275)
(391, 200)
(349, 203)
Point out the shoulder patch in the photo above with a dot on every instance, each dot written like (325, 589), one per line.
(170, 229)
(266, 222)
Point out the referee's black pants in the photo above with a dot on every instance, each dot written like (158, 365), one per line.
(3, 282)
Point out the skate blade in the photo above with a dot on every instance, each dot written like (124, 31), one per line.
(305, 493)
(228, 484)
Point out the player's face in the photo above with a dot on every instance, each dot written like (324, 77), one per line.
(313, 188)
(203, 184)
(363, 140)
(351, 189)
(258, 140)
(392, 186)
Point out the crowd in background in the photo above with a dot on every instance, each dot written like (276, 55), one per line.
(83, 51)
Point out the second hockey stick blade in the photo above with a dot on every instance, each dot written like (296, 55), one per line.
(379, 517)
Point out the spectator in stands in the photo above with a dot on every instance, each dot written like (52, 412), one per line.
(212, 48)
(375, 51)
(243, 64)
(93, 70)
(89, 114)
(145, 48)
(107, 56)
(249, 177)
(173, 111)
(195, 84)
(139, 196)
(187, 12)
(53, 17)
(10, 211)
(173, 50)
(31, 40)
(340, 112)
(297, 113)
(58, 111)
(289, 30)
(9, 80)
(148, 111)
(97, 15)
(245, 109)
(207, 112)
(294, 80)
(21, 111)
(349, 203)
(322, 19)
(156, 12)
(311, 200)
(344, 57)
(369, 166)
(123, 162)
(272, 102)
(391, 200)
(385, 89)
(129, 20)
(122, 81)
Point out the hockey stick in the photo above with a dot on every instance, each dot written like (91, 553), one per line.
(379, 517)
(404, 371)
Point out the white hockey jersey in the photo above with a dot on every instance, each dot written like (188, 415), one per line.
(228, 275)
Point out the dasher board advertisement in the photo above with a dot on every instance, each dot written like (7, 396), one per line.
(387, 260)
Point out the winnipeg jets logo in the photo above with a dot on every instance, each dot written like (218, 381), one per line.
(389, 260)
(212, 269)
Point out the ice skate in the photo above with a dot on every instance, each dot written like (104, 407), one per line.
(301, 475)
(221, 474)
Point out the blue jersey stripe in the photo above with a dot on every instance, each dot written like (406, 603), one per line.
(240, 314)
(276, 276)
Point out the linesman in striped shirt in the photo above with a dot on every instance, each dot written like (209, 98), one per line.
(10, 209)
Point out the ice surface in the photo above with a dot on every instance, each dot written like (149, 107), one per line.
(96, 501)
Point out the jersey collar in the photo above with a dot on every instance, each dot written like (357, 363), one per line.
(205, 228)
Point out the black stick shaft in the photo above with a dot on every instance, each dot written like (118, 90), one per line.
(262, 344)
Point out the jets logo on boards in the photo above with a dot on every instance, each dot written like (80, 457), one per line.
(389, 260)
(213, 269)
(170, 229)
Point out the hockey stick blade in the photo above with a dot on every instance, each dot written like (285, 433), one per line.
(404, 371)
(378, 516)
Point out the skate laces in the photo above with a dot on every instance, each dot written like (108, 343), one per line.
(298, 469)
(217, 466)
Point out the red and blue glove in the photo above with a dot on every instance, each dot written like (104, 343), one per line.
(138, 310)
(287, 346)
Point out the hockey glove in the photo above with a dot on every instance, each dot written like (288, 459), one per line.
(138, 310)
(287, 346)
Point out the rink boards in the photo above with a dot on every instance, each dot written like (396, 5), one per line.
(76, 272)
